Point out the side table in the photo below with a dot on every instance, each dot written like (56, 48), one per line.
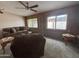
(68, 37)
(5, 41)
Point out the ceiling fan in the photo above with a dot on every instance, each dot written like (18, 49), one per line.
(28, 7)
(1, 12)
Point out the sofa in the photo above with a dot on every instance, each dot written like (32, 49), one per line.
(12, 31)
(28, 46)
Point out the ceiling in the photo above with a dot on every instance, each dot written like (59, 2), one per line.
(11, 6)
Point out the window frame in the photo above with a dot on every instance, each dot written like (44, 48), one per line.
(32, 23)
(56, 22)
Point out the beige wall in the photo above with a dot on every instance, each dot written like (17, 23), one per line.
(10, 20)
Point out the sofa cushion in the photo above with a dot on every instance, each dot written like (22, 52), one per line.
(6, 30)
(14, 30)
(1, 34)
(17, 28)
(21, 28)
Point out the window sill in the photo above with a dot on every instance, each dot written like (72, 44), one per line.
(57, 29)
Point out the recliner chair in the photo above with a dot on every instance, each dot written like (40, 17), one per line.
(28, 46)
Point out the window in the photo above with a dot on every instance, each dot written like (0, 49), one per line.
(59, 22)
(32, 23)
(51, 22)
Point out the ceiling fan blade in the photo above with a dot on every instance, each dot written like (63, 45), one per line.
(33, 10)
(1, 12)
(22, 4)
(27, 3)
(1, 8)
(20, 8)
(33, 6)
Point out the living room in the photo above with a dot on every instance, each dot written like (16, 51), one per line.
(39, 29)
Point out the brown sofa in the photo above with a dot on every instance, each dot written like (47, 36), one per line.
(12, 31)
(28, 46)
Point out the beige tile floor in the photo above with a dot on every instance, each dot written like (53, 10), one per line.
(57, 49)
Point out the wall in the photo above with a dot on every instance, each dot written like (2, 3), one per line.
(10, 20)
(72, 21)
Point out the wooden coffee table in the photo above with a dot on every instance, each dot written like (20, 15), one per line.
(5, 41)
